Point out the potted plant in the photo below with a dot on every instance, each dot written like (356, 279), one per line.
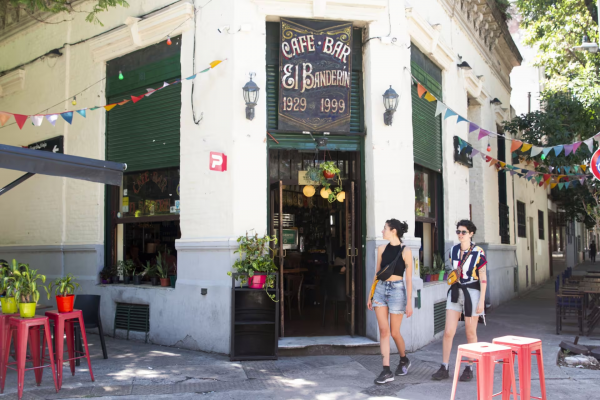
(115, 271)
(137, 276)
(426, 274)
(9, 305)
(173, 275)
(23, 284)
(163, 270)
(151, 272)
(321, 174)
(128, 268)
(105, 275)
(330, 170)
(63, 289)
(255, 264)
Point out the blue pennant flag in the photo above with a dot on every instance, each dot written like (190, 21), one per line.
(449, 113)
(567, 185)
(461, 119)
(81, 112)
(567, 169)
(547, 150)
(558, 149)
(67, 116)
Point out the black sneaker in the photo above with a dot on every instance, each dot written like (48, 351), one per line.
(467, 375)
(441, 374)
(403, 367)
(384, 377)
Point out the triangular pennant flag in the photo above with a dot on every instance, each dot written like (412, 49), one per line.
(429, 97)
(502, 164)
(596, 137)
(473, 127)
(482, 133)
(94, 108)
(536, 150)
(583, 167)
(538, 178)
(590, 144)
(217, 62)
(135, 99)
(20, 120)
(568, 149)
(558, 149)
(515, 145)
(568, 169)
(440, 108)
(576, 168)
(52, 118)
(561, 185)
(552, 186)
(546, 177)
(567, 185)
(81, 112)
(204, 70)
(124, 102)
(67, 116)
(551, 168)
(191, 77)
(474, 152)
(4, 117)
(547, 150)
(462, 145)
(37, 119)
(526, 147)
(512, 173)
(110, 106)
(536, 164)
(576, 146)
(582, 180)
(165, 84)
(150, 91)
(461, 119)
(421, 90)
(493, 161)
(449, 113)
(529, 173)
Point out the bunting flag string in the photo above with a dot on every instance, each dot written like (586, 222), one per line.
(447, 112)
(37, 119)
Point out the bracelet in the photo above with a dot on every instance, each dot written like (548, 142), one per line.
(483, 281)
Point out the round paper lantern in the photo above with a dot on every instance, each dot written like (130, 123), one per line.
(341, 196)
(309, 190)
(325, 193)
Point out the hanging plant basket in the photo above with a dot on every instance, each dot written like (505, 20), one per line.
(328, 175)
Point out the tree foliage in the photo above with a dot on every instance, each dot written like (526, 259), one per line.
(59, 6)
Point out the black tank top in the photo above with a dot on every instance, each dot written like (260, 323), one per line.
(389, 255)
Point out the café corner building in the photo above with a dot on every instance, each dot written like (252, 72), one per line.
(254, 95)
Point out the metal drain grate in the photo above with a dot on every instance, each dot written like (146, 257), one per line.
(132, 317)
(439, 317)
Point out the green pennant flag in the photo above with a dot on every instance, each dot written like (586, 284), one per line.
(561, 185)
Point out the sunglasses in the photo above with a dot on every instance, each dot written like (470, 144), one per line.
(459, 232)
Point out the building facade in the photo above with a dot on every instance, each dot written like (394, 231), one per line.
(171, 201)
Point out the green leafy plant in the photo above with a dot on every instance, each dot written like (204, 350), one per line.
(161, 266)
(106, 272)
(62, 286)
(23, 284)
(127, 267)
(66, 6)
(315, 174)
(149, 270)
(438, 263)
(255, 255)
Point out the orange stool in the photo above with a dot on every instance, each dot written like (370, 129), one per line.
(485, 356)
(28, 327)
(524, 348)
(64, 325)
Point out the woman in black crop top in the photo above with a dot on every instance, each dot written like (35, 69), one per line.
(391, 297)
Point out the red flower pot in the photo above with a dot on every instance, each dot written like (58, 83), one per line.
(165, 282)
(65, 303)
(328, 175)
(257, 281)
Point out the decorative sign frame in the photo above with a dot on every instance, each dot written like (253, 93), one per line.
(54, 145)
(463, 155)
(315, 63)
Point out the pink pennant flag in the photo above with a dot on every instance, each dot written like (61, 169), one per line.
(582, 180)
(52, 118)
(576, 146)
(568, 149)
(474, 152)
(483, 133)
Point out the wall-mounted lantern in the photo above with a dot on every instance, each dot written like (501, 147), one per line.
(390, 101)
(250, 96)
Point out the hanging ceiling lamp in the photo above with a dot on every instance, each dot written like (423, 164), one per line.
(309, 190)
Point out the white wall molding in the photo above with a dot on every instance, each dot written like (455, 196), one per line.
(348, 10)
(137, 33)
(427, 38)
(12, 82)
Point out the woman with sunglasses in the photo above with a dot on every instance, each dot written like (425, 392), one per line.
(394, 273)
(466, 295)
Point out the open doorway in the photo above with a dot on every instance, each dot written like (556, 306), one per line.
(322, 250)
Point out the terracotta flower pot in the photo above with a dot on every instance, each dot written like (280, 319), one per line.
(65, 303)
(165, 282)
(328, 175)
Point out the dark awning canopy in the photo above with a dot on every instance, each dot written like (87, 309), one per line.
(55, 164)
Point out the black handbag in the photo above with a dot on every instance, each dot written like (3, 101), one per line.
(388, 271)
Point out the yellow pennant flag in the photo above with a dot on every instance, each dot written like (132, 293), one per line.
(215, 63)
(525, 147)
(552, 186)
(429, 97)
(583, 167)
(502, 164)
(110, 106)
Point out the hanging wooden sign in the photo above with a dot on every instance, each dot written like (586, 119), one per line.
(315, 63)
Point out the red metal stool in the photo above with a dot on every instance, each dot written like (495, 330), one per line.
(4, 330)
(64, 325)
(28, 327)
(485, 356)
(524, 348)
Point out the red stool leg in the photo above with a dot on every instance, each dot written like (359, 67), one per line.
(477, 372)
(70, 344)
(525, 373)
(34, 349)
(512, 378)
(6, 344)
(85, 344)
(485, 380)
(59, 329)
(540, 363)
(2, 347)
(21, 350)
(456, 373)
(50, 355)
(506, 388)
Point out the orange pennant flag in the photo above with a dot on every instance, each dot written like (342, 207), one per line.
(552, 186)
(124, 102)
(110, 106)
(4, 117)
(526, 147)
(421, 90)
(215, 63)
(583, 167)
(429, 97)
(493, 161)
(515, 145)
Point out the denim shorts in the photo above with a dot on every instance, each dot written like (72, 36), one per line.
(460, 304)
(391, 295)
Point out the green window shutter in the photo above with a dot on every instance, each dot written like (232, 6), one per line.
(293, 141)
(272, 71)
(145, 135)
(427, 128)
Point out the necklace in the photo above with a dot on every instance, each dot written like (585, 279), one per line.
(464, 250)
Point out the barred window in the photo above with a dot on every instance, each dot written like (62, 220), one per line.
(521, 224)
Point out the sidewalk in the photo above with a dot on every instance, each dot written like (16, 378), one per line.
(136, 371)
